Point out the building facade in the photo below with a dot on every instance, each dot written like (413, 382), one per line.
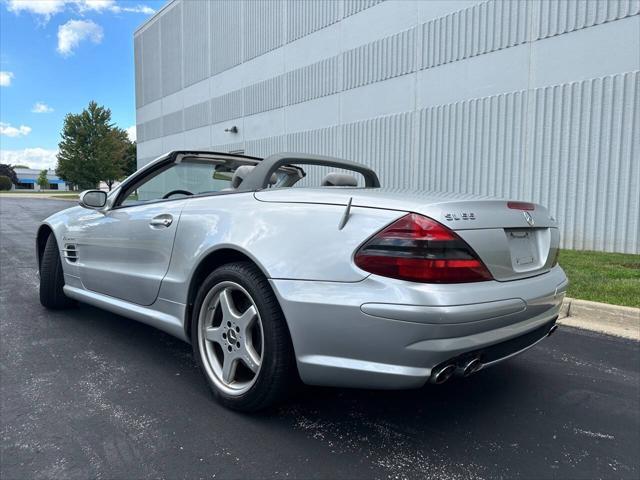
(28, 180)
(531, 100)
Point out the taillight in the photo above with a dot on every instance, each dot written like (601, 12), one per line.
(521, 206)
(419, 249)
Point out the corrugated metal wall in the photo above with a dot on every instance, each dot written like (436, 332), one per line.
(536, 100)
(226, 34)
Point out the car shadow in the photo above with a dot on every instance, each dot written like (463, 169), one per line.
(474, 419)
(434, 404)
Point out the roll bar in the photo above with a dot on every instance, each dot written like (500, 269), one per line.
(260, 175)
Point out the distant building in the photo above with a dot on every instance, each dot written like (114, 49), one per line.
(28, 180)
(105, 186)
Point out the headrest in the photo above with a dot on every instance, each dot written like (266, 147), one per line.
(240, 174)
(243, 172)
(335, 179)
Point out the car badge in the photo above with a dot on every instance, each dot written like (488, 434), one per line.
(528, 218)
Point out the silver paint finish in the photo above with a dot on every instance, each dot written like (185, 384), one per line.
(400, 353)
(489, 213)
(125, 252)
(348, 327)
(285, 240)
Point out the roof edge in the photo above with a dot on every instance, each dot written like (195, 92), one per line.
(153, 17)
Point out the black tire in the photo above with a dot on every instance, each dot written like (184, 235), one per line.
(52, 278)
(278, 373)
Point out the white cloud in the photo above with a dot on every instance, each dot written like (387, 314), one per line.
(5, 79)
(47, 8)
(112, 6)
(131, 133)
(97, 5)
(8, 130)
(75, 31)
(41, 107)
(44, 8)
(137, 9)
(32, 157)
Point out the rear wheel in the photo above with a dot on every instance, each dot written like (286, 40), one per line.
(52, 277)
(240, 338)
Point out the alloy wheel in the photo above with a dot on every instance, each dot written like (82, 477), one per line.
(231, 338)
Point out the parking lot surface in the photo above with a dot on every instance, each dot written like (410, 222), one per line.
(85, 393)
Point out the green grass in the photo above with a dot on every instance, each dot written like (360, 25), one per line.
(603, 277)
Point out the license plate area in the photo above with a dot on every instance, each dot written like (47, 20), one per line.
(523, 246)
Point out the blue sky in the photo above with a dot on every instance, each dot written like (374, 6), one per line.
(55, 57)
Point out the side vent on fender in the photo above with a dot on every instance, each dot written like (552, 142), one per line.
(70, 253)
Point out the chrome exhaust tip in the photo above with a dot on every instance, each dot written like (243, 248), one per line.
(442, 374)
(552, 330)
(471, 367)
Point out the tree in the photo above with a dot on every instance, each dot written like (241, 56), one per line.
(9, 172)
(5, 182)
(42, 180)
(130, 159)
(92, 148)
(123, 148)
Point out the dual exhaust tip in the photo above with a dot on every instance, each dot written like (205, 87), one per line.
(470, 366)
(445, 372)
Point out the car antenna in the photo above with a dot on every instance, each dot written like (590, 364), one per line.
(345, 215)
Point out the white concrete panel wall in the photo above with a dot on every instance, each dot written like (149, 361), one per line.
(534, 100)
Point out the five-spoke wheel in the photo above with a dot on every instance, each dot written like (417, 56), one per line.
(231, 337)
(240, 338)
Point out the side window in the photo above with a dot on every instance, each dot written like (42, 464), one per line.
(180, 180)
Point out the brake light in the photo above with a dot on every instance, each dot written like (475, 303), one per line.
(419, 249)
(521, 206)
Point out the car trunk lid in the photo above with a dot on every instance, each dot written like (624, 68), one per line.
(513, 243)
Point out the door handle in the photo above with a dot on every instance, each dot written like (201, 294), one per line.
(163, 220)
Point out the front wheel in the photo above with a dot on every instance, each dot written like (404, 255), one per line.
(52, 277)
(240, 338)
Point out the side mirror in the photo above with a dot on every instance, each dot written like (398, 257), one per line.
(93, 199)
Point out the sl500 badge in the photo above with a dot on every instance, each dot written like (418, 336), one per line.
(459, 216)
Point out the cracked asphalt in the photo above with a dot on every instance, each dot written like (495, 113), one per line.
(85, 393)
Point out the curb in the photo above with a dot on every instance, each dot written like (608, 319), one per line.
(601, 317)
(38, 197)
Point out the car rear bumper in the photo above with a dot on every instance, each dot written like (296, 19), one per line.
(384, 333)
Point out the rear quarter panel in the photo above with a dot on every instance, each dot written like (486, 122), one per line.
(287, 241)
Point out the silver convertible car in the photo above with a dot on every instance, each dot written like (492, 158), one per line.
(276, 273)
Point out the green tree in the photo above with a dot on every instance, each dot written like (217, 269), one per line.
(42, 180)
(5, 182)
(9, 172)
(130, 159)
(92, 148)
(123, 149)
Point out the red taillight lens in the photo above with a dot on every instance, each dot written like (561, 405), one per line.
(521, 206)
(419, 249)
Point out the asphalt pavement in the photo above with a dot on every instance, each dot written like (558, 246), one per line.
(88, 394)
